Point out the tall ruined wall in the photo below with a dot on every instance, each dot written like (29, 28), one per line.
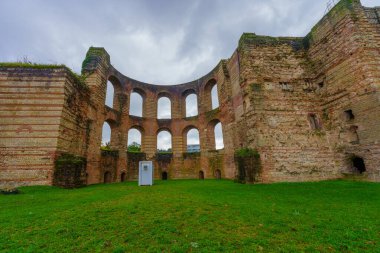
(32, 132)
(332, 70)
(344, 52)
(277, 101)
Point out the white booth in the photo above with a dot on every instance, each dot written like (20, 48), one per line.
(145, 173)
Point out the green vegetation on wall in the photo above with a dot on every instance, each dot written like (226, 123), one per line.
(258, 40)
(134, 148)
(78, 79)
(248, 165)
(70, 171)
(247, 152)
(94, 57)
(342, 8)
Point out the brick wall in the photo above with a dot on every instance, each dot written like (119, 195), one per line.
(308, 105)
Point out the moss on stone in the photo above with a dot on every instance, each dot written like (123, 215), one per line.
(191, 155)
(78, 79)
(30, 65)
(110, 152)
(256, 87)
(70, 171)
(164, 157)
(69, 160)
(258, 40)
(247, 152)
(94, 56)
(340, 9)
(248, 165)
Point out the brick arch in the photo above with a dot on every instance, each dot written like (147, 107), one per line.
(143, 95)
(118, 87)
(139, 91)
(206, 94)
(211, 134)
(189, 91)
(165, 94)
(114, 131)
(164, 129)
(117, 92)
(162, 94)
(184, 95)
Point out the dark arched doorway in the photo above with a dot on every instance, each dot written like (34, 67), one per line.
(164, 175)
(358, 164)
(107, 177)
(218, 174)
(122, 177)
(201, 175)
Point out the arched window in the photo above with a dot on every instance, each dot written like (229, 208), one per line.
(191, 105)
(134, 140)
(106, 135)
(164, 141)
(192, 141)
(218, 133)
(218, 174)
(164, 108)
(214, 97)
(122, 177)
(110, 94)
(136, 105)
(107, 177)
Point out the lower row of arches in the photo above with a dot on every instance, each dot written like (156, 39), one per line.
(107, 176)
(191, 138)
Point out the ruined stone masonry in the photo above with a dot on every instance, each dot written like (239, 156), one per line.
(310, 107)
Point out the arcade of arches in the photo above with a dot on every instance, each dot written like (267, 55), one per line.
(180, 127)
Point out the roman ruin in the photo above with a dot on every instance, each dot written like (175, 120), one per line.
(308, 107)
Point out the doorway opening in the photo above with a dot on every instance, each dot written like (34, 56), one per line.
(107, 177)
(358, 164)
(122, 177)
(201, 175)
(218, 174)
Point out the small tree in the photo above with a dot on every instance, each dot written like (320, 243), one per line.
(106, 146)
(134, 147)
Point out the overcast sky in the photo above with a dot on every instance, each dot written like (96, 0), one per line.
(155, 41)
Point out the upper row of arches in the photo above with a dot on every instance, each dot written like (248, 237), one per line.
(190, 135)
(164, 103)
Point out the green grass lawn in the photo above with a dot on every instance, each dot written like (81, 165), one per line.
(193, 216)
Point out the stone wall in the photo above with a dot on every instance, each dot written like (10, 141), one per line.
(308, 105)
(31, 102)
(330, 71)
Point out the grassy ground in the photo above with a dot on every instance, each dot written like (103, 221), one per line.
(193, 216)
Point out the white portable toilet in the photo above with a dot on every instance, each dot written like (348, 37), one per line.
(145, 173)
